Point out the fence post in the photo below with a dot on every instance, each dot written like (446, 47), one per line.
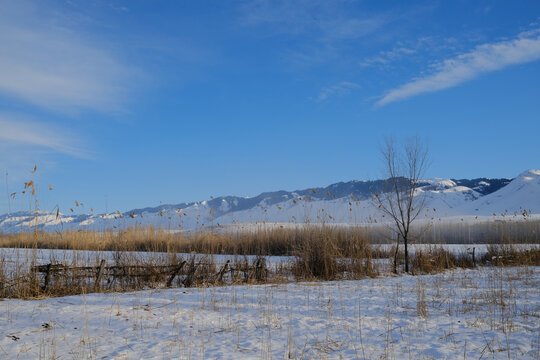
(174, 273)
(47, 277)
(99, 275)
(260, 269)
(188, 281)
(223, 270)
(473, 259)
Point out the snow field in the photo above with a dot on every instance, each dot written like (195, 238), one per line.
(490, 313)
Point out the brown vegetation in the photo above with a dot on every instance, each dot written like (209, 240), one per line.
(125, 273)
(437, 259)
(261, 241)
(511, 255)
(149, 258)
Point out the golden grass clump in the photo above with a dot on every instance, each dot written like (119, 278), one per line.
(511, 255)
(260, 241)
(437, 259)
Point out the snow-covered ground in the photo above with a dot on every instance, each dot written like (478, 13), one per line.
(488, 313)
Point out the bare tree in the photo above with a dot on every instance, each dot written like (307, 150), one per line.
(399, 200)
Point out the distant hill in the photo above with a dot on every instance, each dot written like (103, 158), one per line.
(343, 202)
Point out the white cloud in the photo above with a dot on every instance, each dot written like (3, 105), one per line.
(25, 143)
(56, 67)
(16, 132)
(342, 88)
(484, 58)
(386, 57)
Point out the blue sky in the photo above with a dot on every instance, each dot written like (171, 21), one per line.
(126, 104)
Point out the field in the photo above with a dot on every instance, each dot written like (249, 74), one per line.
(489, 313)
(304, 293)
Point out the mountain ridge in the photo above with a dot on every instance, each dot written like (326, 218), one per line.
(363, 189)
(342, 202)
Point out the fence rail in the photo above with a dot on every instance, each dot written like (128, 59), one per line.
(187, 274)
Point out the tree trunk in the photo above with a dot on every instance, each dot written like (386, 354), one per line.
(406, 254)
(396, 254)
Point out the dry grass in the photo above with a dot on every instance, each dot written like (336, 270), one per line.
(511, 255)
(147, 258)
(127, 272)
(263, 241)
(436, 259)
(329, 256)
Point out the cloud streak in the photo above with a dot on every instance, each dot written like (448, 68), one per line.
(25, 143)
(342, 88)
(386, 57)
(329, 21)
(56, 67)
(16, 132)
(465, 67)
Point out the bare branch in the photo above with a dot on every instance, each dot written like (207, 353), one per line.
(401, 200)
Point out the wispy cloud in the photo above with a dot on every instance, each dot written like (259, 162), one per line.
(483, 59)
(415, 50)
(342, 88)
(16, 131)
(57, 67)
(322, 31)
(24, 143)
(386, 57)
(327, 21)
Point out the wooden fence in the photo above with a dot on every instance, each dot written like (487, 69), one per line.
(187, 273)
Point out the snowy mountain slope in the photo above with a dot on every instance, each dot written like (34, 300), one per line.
(345, 202)
(521, 195)
(483, 185)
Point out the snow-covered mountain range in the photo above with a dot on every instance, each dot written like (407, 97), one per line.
(344, 202)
